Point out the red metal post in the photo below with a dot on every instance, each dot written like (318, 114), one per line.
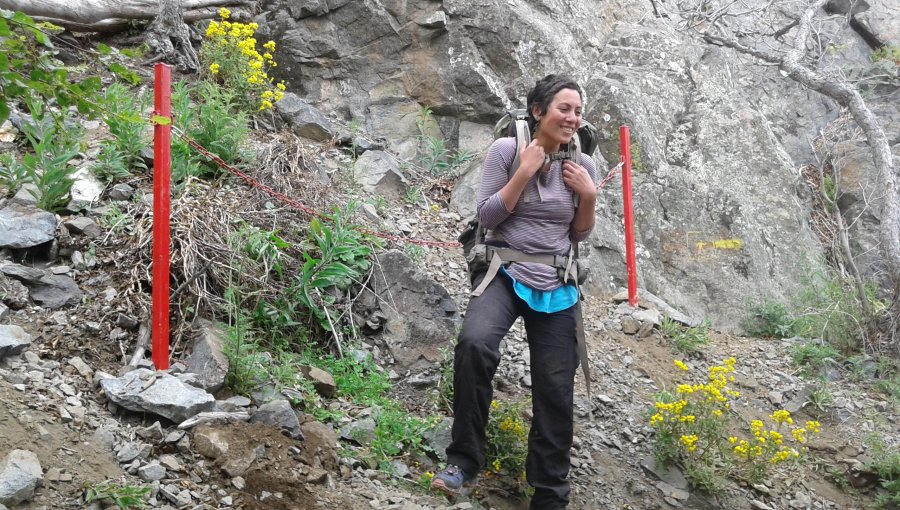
(161, 171)
(630, 259)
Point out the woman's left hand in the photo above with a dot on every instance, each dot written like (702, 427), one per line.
(578, 180)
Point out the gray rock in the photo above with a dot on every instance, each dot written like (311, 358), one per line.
(86, 371)
(20, 475)
(86, 189)
(143, 390)
(279, 414)
(210, 443)
(304, 119)
(360, 431)
(25, 226)
(83, 225)
(47, 289)
(438, 438)
(151, 472)
(13, 293)
(121, 192)
(379, 172)
(422, 318)
(207, 359)
(322, 380)
(13, 340)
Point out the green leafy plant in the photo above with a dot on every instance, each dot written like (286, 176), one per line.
(686, 339)
(29, 71)
(115, 219)
(768, 319)
(820, 398)
(436, 158)
(123, 495)
(886, 462)
(336, 255)
(124, 118)
(413, 195)
(415, 252)
(442, 395)
(814, 356)
(247, 363)
(208, 115)
(48, 166)
(13, 175)
(889, 53)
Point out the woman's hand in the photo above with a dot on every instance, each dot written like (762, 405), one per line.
(578, 180)
(531, 159)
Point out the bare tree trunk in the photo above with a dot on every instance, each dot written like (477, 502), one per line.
(94, 11)
(847, 95)
(170, 37)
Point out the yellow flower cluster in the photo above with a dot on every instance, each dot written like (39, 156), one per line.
(690, 442)
(510, 425)
(232, 49)
(769, 444)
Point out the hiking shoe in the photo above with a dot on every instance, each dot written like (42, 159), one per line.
(453, 481)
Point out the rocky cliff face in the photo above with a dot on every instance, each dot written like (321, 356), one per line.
(722, 209)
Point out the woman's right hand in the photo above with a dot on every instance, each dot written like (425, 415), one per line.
(531, 159)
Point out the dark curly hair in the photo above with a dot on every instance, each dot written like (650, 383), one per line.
(544, 91)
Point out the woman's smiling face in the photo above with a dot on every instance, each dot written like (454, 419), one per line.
(561, 120)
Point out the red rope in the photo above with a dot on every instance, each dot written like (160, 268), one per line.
(312, 212)
(293, 203)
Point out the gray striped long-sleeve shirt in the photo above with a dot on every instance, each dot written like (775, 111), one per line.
(540, 222)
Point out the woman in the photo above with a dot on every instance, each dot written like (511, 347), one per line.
(531, 212)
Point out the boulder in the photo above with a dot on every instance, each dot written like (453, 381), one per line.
(13, 340)
(20, 475)
(422, 317)
(379, 172)
(25, 226)
(279, 414)
(207, 358)
(304, 119)
(144, 390)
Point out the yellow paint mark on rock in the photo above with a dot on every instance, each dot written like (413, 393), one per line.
(721, 244)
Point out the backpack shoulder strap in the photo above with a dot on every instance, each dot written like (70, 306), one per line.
(575, 154)
(523, 138)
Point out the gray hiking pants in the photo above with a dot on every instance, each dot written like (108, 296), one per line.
(554, 359)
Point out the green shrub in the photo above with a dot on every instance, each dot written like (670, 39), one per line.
(829, 307)
(436, 158)
(686, 339)
(813, 356)
(124, 495)
(124, 118)
(31, 73)
(48, 166)
(768, 319)
(886, 462)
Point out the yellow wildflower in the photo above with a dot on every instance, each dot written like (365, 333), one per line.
(680, 364)
(214, 68)
(224, 13)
